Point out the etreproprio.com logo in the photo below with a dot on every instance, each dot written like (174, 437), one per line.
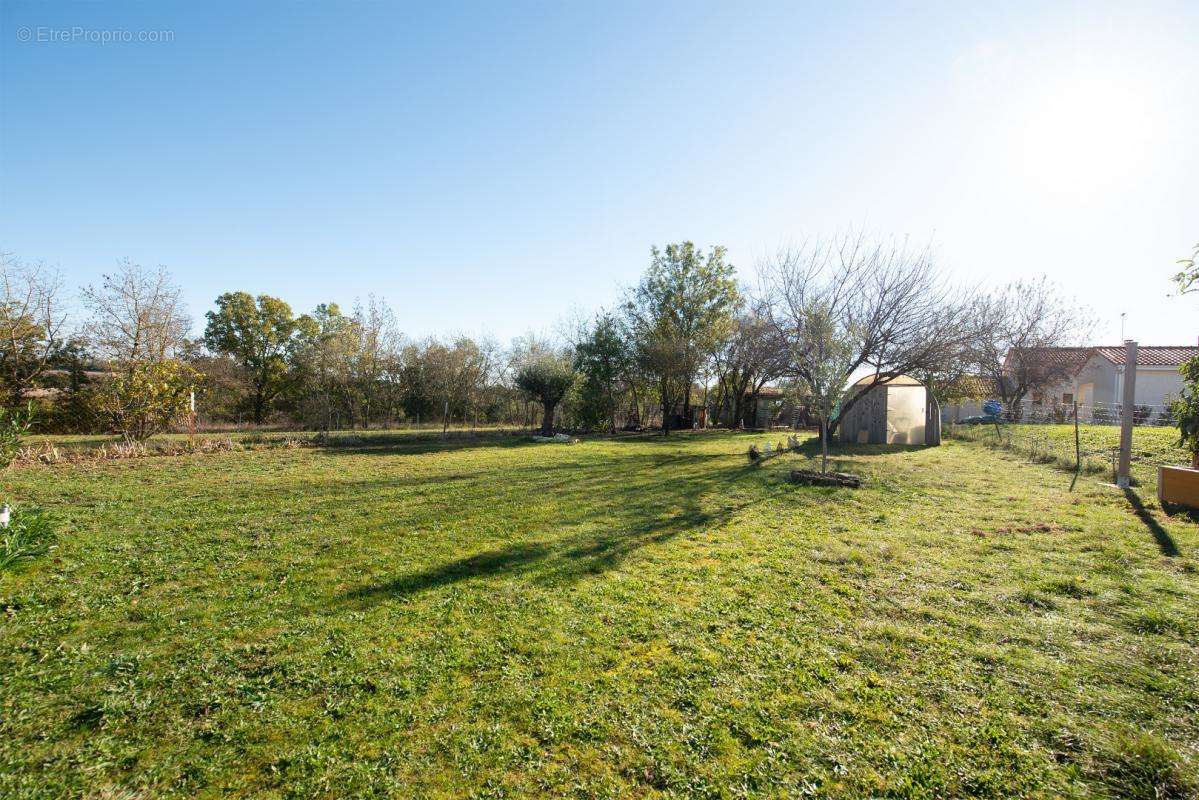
(43, 34)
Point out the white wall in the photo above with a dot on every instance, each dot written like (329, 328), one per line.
(956, 412)
(1157, 385)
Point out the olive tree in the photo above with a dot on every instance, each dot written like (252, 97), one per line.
(546, 377)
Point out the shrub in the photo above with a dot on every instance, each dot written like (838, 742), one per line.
(13, 427)
(145, 398)
(1186, 410)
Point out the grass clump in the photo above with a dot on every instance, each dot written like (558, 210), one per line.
(1159, 622)
(28, 535)
(1140, 766)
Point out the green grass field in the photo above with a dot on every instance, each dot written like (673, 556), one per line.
(638, 617)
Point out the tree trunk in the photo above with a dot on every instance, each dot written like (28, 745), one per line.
(824, 445)
(665, 410)
(547, 419)
(612, 410)
(1195, 460)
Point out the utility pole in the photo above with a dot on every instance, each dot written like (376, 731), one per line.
(1123, 476)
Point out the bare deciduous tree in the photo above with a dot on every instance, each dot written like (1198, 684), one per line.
(884, 307)
(31, 323)
(750, 358)
(137, 315)
(1011, 329)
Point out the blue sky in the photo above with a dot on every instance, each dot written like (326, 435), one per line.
(491, 169)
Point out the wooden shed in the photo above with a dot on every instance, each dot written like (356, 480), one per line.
(900, 411)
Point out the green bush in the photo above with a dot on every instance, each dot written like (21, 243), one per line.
(13, 427)
(145, 398)
(1186, 410)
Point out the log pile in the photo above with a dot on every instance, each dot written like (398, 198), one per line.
(807, 477)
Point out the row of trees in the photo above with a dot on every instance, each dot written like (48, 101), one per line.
(688, 335)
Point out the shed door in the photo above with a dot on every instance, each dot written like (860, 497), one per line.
(905, 414)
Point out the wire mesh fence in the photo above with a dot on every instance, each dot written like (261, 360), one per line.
(1083, 439)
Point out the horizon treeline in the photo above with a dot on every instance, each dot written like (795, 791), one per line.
(688, 344)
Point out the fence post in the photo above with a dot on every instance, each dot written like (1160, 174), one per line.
(1078, 449)
(1123, 472)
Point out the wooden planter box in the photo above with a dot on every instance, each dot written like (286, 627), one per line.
(1178, 485)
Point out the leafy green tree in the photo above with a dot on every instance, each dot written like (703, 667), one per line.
(144, 398)
(679, 313)
(1186, 410)
(547, 378)
(260, 334)
(322, 358)
(1188, 277)
(603, 358)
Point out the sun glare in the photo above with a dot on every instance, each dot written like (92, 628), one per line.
(1086, 135)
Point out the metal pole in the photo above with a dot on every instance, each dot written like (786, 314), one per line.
(1123, 471)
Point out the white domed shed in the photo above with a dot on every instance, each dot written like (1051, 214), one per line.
(900, 411)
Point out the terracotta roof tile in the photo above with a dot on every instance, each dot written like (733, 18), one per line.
(1151, 355)
(1075, 357)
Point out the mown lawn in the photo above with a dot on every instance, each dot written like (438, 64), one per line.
(1152, 446)
(640, 617)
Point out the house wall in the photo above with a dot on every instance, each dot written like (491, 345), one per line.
(1100, 383)
(1156, 386)
(956, 412)
(1095, 383)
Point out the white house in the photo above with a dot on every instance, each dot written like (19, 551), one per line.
(1096, 379)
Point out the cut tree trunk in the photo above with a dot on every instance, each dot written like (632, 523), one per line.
(547, 420)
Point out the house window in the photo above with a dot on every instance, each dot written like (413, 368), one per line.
(1067, 397)
(1037, 398)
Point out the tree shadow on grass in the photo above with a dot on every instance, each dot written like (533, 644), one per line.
(1163, 538)
(383, 445)
(432, 442)
(643, 522)
(811, 448)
